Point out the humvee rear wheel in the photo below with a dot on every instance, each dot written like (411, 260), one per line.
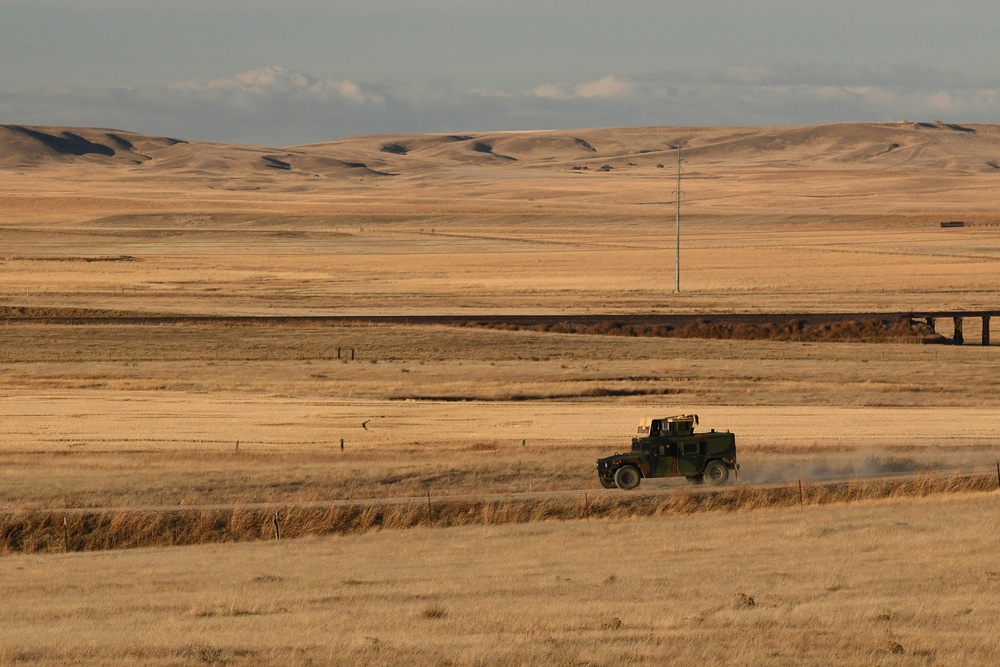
(716, 473)
(627, 477)
(606, 483)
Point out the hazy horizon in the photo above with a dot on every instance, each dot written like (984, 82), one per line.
(313, 71)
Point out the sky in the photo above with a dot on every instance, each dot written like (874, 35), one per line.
(300, 71)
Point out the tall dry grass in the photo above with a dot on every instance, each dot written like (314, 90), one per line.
(33, 531)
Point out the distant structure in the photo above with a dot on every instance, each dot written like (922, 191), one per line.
(958, 319)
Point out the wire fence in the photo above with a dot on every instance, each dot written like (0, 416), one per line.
(96, 529)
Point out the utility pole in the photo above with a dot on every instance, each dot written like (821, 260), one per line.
(678, 285)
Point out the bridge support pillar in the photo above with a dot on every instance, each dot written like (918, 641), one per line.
(986, 329)
(958, 338)
(930, 323)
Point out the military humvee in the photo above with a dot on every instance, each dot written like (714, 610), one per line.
(669, 447)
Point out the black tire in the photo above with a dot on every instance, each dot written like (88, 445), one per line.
(627, 477)
(716, 473)
(607, 483)
(696, 479)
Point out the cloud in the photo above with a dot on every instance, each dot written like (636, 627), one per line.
(490, 91)
(608, 87)
(550, 91)
(269, 81)
(271, 105)
(281, 106)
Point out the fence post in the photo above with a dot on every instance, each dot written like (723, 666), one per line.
(430, 512)
(801, 500)
(277, 526)
(65, 535)
(998, 474)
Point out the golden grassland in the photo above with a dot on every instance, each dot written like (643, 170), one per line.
(775, 220)
(103, 422)
(891, 582)
(123, 415)
(467, 268)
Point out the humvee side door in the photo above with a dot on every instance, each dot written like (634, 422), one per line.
(665, 452)
(691, 456)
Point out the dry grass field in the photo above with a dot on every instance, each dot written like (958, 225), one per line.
(119, 413)
(892, 582)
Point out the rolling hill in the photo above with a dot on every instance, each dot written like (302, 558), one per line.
(901, 145)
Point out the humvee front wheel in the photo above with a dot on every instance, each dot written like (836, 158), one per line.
(607, 483)
(716, 473)
(627, 477)
(696, 479)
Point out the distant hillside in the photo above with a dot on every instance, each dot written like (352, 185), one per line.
(875, 145)
(25, 146)
(30, 146)
(904, 144)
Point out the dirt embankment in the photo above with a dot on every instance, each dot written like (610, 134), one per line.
(811, 327)
(760, 327)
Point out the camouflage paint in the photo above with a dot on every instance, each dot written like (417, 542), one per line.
(669, 447)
